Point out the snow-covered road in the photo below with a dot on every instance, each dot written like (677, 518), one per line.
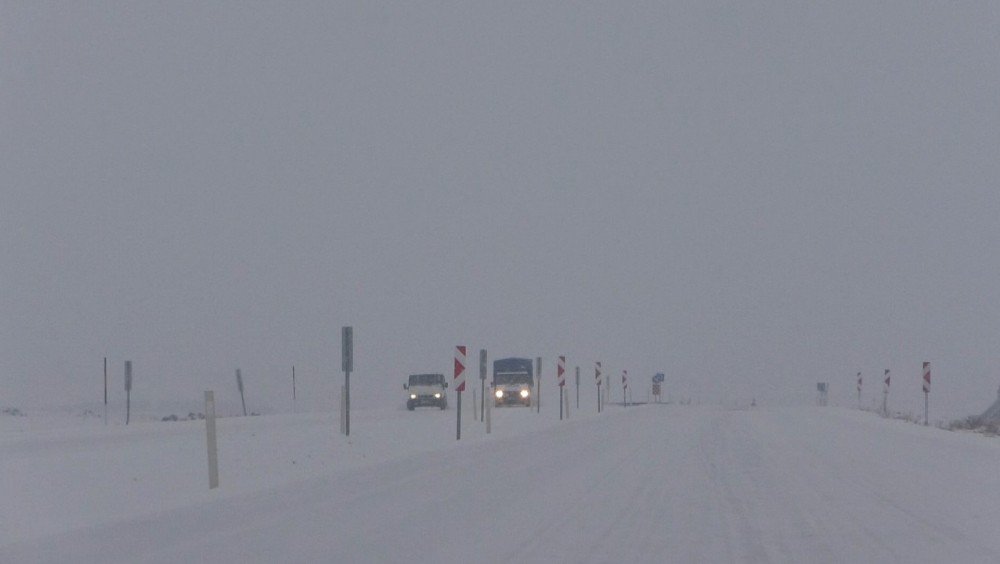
(645, 484)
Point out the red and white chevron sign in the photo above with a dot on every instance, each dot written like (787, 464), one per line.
(597, 372)
(859, 381)
(886, 389)
(459, 368)
(927, 377)
(624, 378)
(561, 371)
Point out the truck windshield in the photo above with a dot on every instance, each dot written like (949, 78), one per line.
(511, 378)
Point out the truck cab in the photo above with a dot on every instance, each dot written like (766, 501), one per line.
(513, 382)
(426, 390)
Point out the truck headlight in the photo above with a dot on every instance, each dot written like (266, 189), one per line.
(524, 393)
(499, 394)
(437, 395)
(413, 396)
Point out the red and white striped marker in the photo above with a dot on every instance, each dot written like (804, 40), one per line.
(859, 382)
(561, 371)
(927, 377)
(459, 368)
(597, 372)
(886, 389)
(624, 378)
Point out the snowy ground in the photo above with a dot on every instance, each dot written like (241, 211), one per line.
(655, 483)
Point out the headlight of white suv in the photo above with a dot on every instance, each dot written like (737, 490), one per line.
(413, 396)
(499, 394)
(437, 395)
(524, 393)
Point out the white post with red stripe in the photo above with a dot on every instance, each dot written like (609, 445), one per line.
(927, 391)
(597, 377)
(459, 383)
(561, 379)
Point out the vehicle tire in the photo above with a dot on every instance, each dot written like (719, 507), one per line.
(409, 405)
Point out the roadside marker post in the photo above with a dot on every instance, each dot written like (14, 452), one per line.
(459, 382)
(927, 391)
(239, 386)
(482, 383)
(343, 410)
(347, 365)
(859, 390)
(885, 395)
(597, 377)
(625, 388)
(213, 451)
(561, 380)
(538, 384)
(489, 413)
(128, 390)
(105, 390)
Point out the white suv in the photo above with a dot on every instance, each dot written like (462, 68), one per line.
(426, 389)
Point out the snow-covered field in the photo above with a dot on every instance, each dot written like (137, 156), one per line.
(654, 483)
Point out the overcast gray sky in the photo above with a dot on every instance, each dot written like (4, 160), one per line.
(749, 196)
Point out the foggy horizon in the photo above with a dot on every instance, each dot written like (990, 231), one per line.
(750, 199)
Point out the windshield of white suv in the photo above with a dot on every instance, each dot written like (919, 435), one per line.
(426, 379)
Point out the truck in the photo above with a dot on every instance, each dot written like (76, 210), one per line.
(426, 390)
(513, 382)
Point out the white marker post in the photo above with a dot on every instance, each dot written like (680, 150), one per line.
(459, 382)
(561, 380)
(538, 384)
(213, 452)
(859, 390)
(128, 390)
(489, 413)
(239, 385)
(625, 388)
(927, 392)
(597, 377)
(482, 383)
(885, 395)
